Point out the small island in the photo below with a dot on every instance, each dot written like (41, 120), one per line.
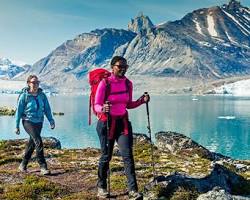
(6, 111)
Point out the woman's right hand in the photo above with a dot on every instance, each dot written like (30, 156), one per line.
(106, 107)
(17, 131)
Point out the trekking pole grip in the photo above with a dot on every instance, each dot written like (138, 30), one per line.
(107, 102)
(145, 94)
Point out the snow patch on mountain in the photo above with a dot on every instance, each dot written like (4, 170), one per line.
(10, 69)
(211, 26)
(198, 27)
(245, 31)
(230, 38)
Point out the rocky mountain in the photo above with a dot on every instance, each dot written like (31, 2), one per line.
(208, 43)
(9, 69)
(71, 61)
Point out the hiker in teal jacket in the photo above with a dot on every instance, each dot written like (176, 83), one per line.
(32, 106)
(29, 110)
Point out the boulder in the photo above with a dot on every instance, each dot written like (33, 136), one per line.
(51, 142)
(220, 194)
(140, 138)
(220, 177)
(179, 143)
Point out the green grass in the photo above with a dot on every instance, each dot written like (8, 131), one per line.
(3, 145)
(86, 195)
(118, 182)
(180, 193)
(33, 188)
(9, 160)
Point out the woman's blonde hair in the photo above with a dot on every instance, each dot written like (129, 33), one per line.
(30, 77)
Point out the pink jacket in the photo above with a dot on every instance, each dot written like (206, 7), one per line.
(121, 100)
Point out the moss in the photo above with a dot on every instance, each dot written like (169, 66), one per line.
(230, 167)
(118, 182)
(1, 189)
(117, 169)
(11, 146)
(142, 153)
(81, 195)
(156, 191)
(184, 194)
(6, 172)
(246, 175)
(180, 193)
(9, 160)
(3, 145)
(33, 188)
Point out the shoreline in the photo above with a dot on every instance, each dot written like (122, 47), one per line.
(97, 148)
(74, 171)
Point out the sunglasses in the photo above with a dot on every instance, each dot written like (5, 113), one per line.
(121, 66)
(35, 82)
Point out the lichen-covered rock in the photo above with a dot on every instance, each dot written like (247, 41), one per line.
(52, 142)
(140, 138)
(219, 177)
(178, 143)
(220, 194)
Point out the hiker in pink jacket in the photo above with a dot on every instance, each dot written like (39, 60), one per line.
(114, 96)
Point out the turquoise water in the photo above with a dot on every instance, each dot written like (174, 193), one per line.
(221, 124)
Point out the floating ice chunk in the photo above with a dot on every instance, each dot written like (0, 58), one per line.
(227, 117)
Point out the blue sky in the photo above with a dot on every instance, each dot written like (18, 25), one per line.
(31, 29)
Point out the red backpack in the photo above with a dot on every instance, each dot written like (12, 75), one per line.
(95, 77)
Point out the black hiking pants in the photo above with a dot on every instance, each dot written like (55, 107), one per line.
(125, 143)
(35, 142)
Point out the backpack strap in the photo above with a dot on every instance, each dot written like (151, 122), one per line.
(43, 97)
(128, 85)
(25, 98)
(108, 89)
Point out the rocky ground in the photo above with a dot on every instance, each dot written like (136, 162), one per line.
(184, 170)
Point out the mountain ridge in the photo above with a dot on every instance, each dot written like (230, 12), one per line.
(208, 43)
(10, 69)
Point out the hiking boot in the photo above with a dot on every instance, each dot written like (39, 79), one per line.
(22, 167)
(102, 193)
(133, 195)
(44, 171)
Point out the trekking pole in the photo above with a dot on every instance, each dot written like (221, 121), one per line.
(108, 118)
(150, 138)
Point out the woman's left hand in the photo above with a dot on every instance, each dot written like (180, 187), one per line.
(52, 125)
(146, 98)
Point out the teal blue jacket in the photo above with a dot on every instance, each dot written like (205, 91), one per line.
(33, 108)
